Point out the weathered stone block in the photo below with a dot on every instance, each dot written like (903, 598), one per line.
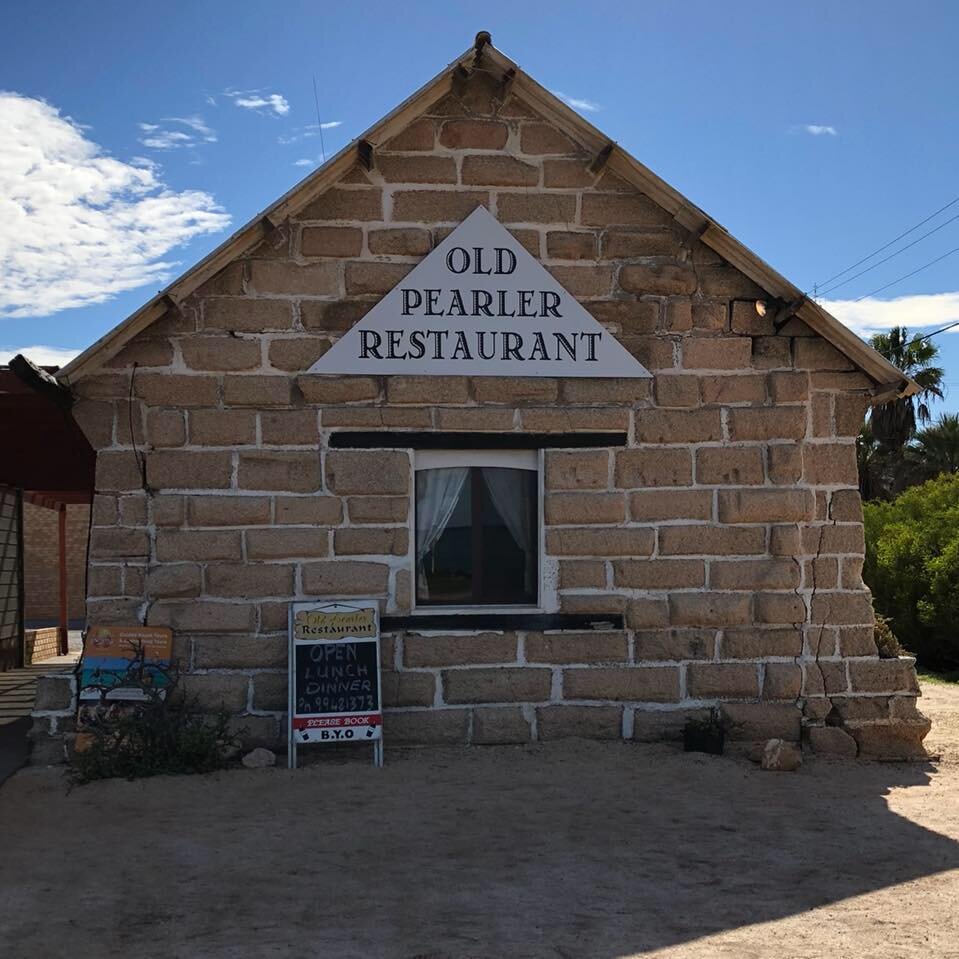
(498, 685)
(287, 543)
(709, 609)
(649, 505)
(119, 542)
(371, 541)
(222, 427)
(344, 578)
(368, 471)
(338, 241)
(426, 650)
(426, 727)
(782, 681)
(599, 646)
(54, 693)
(584, 508)
(308, 510)
(704, 540)
(240, 652)
(832, 741)
(757, 642)
(296, 472)
(678, 426)
(729, 465)
(773, 423)
(605, 541)
(241, 315)
(712, 353)
(761, 721)
(176, 469)
(583, 469)
(672, 645)
(297, 353)
(651, 684)
(214, 691)
(500, 724)
(659, 573)
(765, 506)
(228, 510)
(407, 689)
(249, 580)
(172, 580)
(635, 469)
(579, 722)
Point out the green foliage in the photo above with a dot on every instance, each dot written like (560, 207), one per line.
(936, 449)
(894, 423)
(888, 463)
(912, 568)
(164, 734)
(886, 641)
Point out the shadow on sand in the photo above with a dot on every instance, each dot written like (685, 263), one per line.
(573, 850)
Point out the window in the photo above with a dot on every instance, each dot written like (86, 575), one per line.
(477, 528)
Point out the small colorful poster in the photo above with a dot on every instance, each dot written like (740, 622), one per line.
(124, 662)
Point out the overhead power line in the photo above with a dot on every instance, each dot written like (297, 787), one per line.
(829, 289)
(925, 266)
(886, 246)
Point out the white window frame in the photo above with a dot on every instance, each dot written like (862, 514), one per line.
(507, 459)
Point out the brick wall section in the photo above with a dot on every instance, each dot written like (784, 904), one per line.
(728, 532)
(41, 563)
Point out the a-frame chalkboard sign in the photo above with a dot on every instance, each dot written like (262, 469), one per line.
(335, 676)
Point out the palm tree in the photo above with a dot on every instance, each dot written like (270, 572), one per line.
(935, 449)
(894, 423)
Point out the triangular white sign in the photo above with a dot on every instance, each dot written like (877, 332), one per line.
(479, 305)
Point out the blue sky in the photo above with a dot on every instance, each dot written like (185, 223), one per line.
(814, 132)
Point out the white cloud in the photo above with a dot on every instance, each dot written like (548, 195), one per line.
(41, 355)
(76, 226)
(871, 315)
(267, 103)
(577, 103)
(303, 162)
(305, 133)
(819, 130)
(174, 133)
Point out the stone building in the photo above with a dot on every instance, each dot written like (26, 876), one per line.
(581, 555)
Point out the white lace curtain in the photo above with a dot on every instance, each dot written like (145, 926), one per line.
(507, 490)
(437, 492)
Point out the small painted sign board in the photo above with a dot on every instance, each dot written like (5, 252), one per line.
(124, 662)
(479, 305)
(335, 676)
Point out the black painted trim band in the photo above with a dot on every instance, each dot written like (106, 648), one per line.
(397, 439)
(502, 621)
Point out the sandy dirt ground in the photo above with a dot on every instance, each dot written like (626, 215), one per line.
(567, 850)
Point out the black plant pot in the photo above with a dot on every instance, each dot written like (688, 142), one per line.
(704, 739)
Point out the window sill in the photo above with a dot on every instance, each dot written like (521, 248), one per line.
(538, 622)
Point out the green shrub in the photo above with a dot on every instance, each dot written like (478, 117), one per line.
(912, 568)
(166, 733)
(886, 641)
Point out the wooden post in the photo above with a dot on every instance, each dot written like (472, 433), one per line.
(62, 644)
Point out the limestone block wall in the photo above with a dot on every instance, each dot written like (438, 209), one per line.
(727, 532)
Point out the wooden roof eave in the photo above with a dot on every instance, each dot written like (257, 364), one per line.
(686, 214)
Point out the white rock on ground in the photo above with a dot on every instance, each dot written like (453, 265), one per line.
(259, 758)
(781, 756)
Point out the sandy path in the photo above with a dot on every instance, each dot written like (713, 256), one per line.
(575, 850)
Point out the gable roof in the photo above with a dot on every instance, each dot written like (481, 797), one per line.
(890, 381)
